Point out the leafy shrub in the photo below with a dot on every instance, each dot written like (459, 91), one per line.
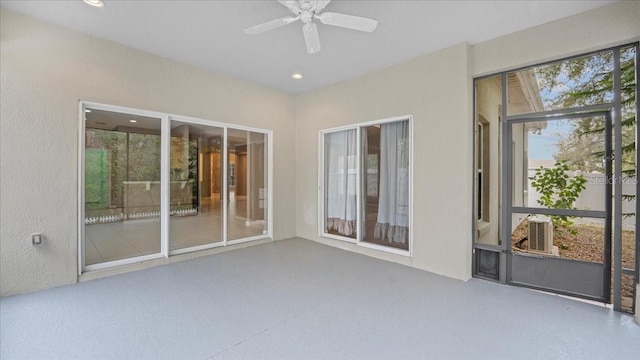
(558, 191)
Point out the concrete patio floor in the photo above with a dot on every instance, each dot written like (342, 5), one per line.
(296, 299)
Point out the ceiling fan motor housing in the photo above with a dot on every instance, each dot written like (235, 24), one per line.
(307, 16)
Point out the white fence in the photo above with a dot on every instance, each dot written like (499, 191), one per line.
(137, 216)
(593, 196)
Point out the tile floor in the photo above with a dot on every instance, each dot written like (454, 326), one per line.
(296, 299)
(122, 240)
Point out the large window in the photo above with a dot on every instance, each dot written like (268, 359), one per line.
(156, 185)
(483, 169)
(365, 184)
(487, 125)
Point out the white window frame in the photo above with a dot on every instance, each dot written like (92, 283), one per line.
(165, 140)
(479, 170)
(321, 191)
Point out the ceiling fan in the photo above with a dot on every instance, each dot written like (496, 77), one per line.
(309, 10)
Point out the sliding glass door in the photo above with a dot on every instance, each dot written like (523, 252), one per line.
(121, 187)
(247, 180)
(340, 179)
(365, 184)
(195, 185)
(155, 185)
(385, 206)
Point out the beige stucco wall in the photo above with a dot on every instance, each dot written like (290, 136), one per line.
(436, 90)
(45, 70)
(603, 27)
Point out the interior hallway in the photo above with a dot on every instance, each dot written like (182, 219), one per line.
(296, 299)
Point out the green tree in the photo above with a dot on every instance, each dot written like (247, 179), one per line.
(584, 81)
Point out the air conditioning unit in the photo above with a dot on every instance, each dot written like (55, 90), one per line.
(540, 234)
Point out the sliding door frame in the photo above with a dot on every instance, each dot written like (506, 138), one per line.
(165, 149)
(321, 185)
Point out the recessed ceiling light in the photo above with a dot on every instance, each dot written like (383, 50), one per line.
(95, 3)
(133, 121)
(297, 76)
(87, 110)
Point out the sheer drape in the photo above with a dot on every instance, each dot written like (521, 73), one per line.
(393, 207)
(341, 170)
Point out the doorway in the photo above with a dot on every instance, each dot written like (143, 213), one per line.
(157, 185)
(560, 216)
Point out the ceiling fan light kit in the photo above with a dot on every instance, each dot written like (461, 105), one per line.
(309, 10)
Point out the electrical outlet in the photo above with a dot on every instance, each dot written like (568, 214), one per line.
(36, 239)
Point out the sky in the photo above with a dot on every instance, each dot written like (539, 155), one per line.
(543, 146)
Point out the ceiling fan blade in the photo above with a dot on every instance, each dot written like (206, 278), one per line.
(348, 21)
(319, 5)
(311, 38)
(270, 25)
(292, 5)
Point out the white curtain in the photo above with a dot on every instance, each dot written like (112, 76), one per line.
(393, 206)
(340, 189)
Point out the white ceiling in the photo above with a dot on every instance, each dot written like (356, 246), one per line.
(209, 34)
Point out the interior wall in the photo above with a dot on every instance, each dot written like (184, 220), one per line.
(436, 90)
(45, 70)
